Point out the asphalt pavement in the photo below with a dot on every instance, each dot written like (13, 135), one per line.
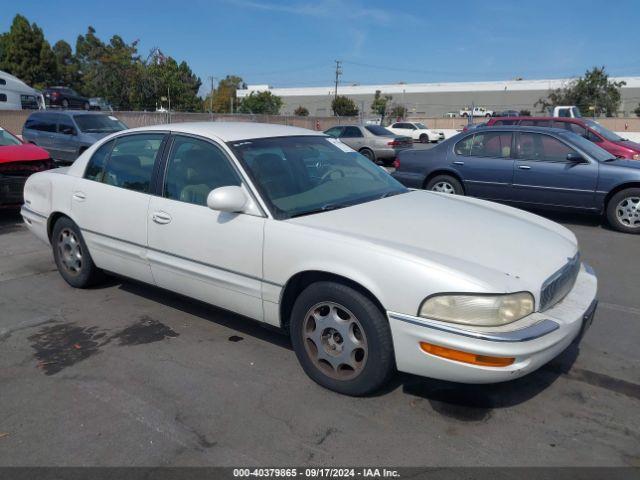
(126, 374)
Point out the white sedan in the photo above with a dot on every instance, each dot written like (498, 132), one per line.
(416, 130)
(293, 228)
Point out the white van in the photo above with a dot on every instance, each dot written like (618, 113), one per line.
(17, 95)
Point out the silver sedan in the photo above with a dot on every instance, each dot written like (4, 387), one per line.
(373, 141)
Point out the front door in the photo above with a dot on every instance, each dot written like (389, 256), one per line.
(544, 176)
(213, 256)
(485, 164)
(353, 137)
(110, 203)
(65, 140)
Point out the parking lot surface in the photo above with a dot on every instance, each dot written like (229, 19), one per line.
(126, 374)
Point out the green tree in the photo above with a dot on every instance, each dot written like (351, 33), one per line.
(398, 111)
(379, 104)
(67, 66)
(261, 103)
(525, 113)
(344, 107)
(637, 111)
(594, 91)
(301, 111)
(25, 53)
(224, 95)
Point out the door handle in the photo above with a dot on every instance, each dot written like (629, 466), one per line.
(79, 196)
(524, 167)
(161, 217)
(458, 162)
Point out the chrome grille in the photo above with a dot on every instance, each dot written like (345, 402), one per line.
(556, 287)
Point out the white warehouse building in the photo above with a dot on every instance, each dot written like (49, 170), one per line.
(438, 99)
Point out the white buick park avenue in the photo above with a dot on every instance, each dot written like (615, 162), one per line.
(293, 228)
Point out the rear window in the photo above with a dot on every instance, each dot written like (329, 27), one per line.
(379, 131)
(6, 139)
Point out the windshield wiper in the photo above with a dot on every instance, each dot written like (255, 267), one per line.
(324, 208)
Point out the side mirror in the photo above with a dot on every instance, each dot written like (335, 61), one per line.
(230, 199)
(576, 158)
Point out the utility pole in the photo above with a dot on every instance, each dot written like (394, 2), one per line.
(211, 97)
(338, 73)
(231, 105)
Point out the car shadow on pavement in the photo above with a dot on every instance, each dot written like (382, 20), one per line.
(239, 323)
(10, 220)
(467, 402)
(574, 218)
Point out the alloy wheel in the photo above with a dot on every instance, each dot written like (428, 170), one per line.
(335, 340)
(70, 251)
(628, 212)
(443, 187)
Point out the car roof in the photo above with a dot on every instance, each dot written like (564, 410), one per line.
(519, 128)
(553, 119)
(69, 113)
(232, 131)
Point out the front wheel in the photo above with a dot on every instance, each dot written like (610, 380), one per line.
(445, 184)
(369, 154)
(72, 256)
(623, 211)
(424, 138)
(342, 339)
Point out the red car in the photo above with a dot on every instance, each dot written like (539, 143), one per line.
(589, 129)
(18, 160)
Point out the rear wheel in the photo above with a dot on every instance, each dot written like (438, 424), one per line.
(445, 184)
(369, 154)
(623, 211)
(424, 138)
(342, 339)
(72, 256)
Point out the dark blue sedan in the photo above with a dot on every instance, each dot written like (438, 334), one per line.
(532, 167)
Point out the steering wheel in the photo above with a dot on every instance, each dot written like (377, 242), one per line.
(330, 173)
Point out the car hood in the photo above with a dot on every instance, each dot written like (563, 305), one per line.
(635, 146)
(494, 246)
(21, 153)
(624, 162)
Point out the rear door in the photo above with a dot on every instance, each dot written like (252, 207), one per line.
(353, 137)
(544, 176)
(110, 203)
(485, 164)
(65, 140)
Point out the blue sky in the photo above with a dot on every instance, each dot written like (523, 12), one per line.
(295, 43)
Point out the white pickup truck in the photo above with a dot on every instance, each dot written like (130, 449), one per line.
(567, 111)
(476, 112)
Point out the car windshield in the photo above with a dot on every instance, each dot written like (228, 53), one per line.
(421, 126)
(379, 131)
(305, 175)
(99, 123)
(590, 148)
(6, 139)
(605, 132)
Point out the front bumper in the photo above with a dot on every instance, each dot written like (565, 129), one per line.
(11, 188)
(533, 340)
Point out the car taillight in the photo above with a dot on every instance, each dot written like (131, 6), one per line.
(396, 163)
(55, 94)
(394, 143)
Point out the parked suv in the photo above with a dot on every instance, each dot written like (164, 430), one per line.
(64, 97)
(373, 141)
(65, 135)
(590, 129)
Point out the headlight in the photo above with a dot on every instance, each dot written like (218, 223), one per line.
(636, 156)
(478, 310)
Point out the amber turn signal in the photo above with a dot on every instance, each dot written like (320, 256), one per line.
(466, 357)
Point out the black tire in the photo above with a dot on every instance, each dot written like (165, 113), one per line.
(65, 103)
(85, 273)
(439, 182)
(424, 138)
(623, 211)
(465, 115)
(378, 364)
(488, 115)
(369, 154)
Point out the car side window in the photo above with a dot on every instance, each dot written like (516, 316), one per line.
(95, 166)
(575, 128)
(195, 167)
(540, 147)
(491, 144)
(463, 147)
(65, 125)
(397, 125)
(351, 132)
(131, 162)
(334, 132)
